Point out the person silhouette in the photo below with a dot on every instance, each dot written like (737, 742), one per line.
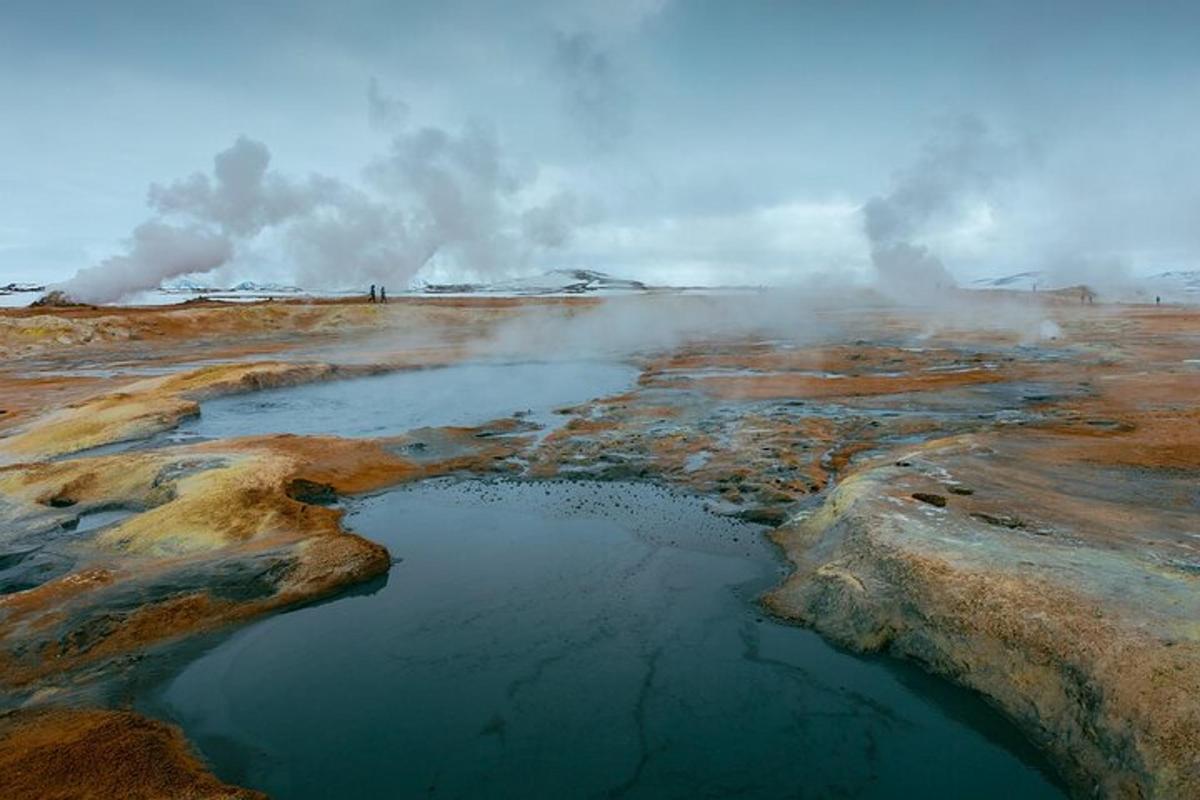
(371, 296)
(383, 294)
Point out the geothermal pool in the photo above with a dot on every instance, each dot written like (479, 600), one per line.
(396, 402)
(573, 639)
(393, 403)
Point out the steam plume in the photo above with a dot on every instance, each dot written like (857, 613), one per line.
(242, 198)
(961, 163)
(435, 196)
(155, 250)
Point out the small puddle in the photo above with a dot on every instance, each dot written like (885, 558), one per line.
(28, 560)
(94, 520)
(574, 639)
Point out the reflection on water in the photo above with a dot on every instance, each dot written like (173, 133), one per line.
(396, 402)
(573, 640)
(389, 404)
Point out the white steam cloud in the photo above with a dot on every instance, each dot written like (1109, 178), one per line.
(960, 165)
(242, 198)
(434, 196)
(155, 250)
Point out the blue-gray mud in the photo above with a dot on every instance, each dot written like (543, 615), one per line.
(574, 639)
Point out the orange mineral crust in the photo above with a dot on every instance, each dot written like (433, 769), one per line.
(1004, 492)
(56, 754)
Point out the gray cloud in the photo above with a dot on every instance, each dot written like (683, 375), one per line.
(552, 223)
(593, 93)
(384, 112)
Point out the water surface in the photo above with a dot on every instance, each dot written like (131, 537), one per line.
(574, 639)
(393, 403)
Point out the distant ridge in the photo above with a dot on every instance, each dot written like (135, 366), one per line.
(559, 281)
(188, 286)
(1028, 281)
(1185, 280)
(1169, 283)
(13, 288)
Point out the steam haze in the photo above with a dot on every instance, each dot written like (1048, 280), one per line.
(912, 146)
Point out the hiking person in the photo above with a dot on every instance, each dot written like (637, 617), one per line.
(383, 294)
(371, 296)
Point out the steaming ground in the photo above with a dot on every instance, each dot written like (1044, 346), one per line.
(997, 485)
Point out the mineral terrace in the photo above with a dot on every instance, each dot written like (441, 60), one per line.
(1017, 510)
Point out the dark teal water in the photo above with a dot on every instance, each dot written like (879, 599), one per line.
(574, 640)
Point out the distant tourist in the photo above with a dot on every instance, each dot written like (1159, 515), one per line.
(1157, 300)
(371, 297)
(383, 294)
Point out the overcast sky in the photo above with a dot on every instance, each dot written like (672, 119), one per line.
(696, 142)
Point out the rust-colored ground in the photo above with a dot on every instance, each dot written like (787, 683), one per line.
(97, 755)
(1017, 513)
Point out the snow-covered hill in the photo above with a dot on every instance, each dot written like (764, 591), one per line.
(1171, 286)
(559, 281)
(21, 287)
(1020, 281)
(265, 288)
(192, 286)
(572, 281)
(185, 285)
(1185, 281)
